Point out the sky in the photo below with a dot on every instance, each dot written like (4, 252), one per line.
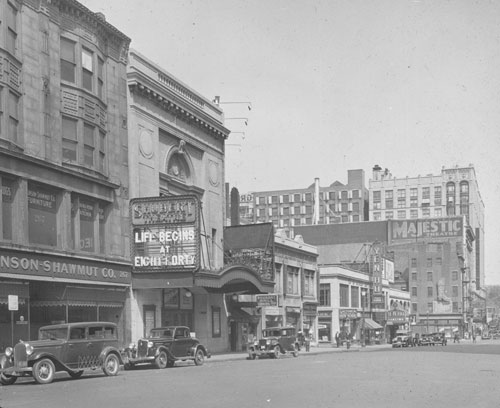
(333, 85)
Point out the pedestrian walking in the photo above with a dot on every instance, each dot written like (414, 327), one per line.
(337, 339)
(473, 337)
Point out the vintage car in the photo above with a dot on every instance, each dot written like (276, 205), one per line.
(275, 341)
(68, 347)
(401, 341)
(165, 346)
(426, 340)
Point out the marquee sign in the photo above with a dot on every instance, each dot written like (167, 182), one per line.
(165, 234)
(425, 228)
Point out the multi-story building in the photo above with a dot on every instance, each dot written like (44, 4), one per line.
(455, 191)
(337, 203)
(64, 241)
(293, 298)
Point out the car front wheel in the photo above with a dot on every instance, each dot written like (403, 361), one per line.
(199, 357)
(44, 371)
(7, 379)
(161, 360)
(111, 365)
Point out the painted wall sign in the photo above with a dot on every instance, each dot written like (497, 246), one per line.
(266, 300)
(12, 262)
(425, 228)
(165, 234)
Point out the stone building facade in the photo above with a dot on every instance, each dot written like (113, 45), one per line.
(64, 241)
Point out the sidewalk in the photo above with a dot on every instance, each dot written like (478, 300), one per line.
(240, 355)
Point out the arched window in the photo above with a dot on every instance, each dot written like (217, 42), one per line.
(450, 198)
(177, 166)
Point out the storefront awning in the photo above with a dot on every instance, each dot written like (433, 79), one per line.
(372, 324)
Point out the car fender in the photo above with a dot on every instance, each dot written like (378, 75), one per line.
(166, 350)
(36, 356)
(194, 349)
(107, 350)
(5, 362)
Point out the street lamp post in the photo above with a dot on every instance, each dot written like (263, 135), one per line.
(363, 295)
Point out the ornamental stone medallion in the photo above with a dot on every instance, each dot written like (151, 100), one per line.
(146, 143)
(213, 173)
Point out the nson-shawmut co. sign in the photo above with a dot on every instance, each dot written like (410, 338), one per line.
(425, 228)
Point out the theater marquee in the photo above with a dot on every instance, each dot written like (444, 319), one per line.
(165, 234)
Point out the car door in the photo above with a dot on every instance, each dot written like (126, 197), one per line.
(95, 344)
(76, 348)
(182, 342)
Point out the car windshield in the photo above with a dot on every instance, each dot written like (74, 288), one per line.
(157, 333)
(53, 334)
(271, 333)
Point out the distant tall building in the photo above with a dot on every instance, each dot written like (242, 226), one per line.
(455, 191)
(338, 203)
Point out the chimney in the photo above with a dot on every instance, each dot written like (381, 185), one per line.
(235, 206)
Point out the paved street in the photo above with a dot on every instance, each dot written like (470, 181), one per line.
(458, 375)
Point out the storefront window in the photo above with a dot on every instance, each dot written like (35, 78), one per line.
(86, 226)
(324, 329)
(42, 212)
(7, 197)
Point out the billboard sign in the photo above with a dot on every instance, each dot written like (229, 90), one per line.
(165, 234)
(403, 230)
(267, 300)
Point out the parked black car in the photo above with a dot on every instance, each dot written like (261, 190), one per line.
(275, 341)
(69, 347)
(165, 346)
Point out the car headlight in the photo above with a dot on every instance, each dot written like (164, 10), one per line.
(8, 351)
(150, 344)
(131, 346)
(29, 349)
(268, 341)
(255, 343)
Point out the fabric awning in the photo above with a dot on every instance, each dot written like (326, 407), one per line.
(372, 324)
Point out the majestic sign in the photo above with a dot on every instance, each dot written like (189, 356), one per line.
(425, 228)
(165, 234)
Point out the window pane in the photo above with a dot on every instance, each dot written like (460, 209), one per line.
(67, 50)
(67, 71)
(88, 140)
(87, 226)
(87, 80)
(42, 211)
(69, 150)
(69, 128)
(87, 60)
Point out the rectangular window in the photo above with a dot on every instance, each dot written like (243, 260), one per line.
(414, 276)
(86, 225)
(309, 283)
(437, 195)
(438, 212)
(430, 308)
(401, 215)
(344, 295)
(70, 139)
(87, 69)
(88, 144)
(344, 195)
(429, 291)
(11, 29)
(355, 207)
(286, 199)
(413, 213)
(429, 276)
(377, 216)
(454, 306)
(389, 215)
(102, 228)
(42, 215)
(354, 296)
(454, 275)
(101, 164)
(324, 294)
(100, 78)
(426, 212)
(454, 291)
(389, 199)
(355, 194)
(413, 262)
(68, 61)
(343, 207)
(7, 198)
(439, 261)
(216, 322)
(13, 116)
(414, 308)
(426, 193)
(428, 263)
(309, 197)
(414, 291)
(355, 218)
